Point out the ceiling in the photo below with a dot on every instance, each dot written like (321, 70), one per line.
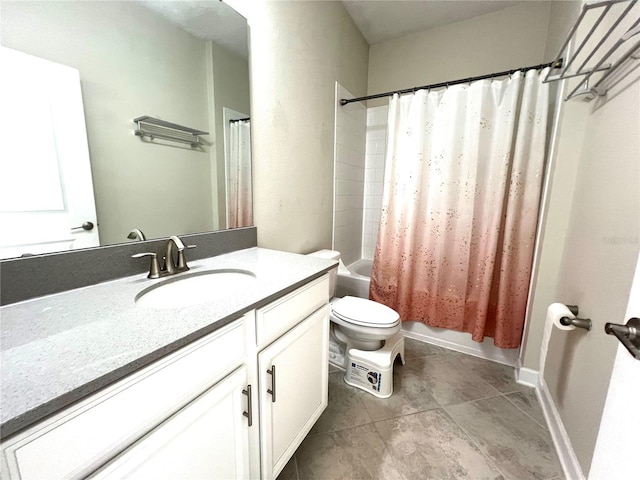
(378, 20)
(384, 20)
(211, 20)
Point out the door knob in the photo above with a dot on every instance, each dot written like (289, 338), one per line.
(84, 226)
(629, 335)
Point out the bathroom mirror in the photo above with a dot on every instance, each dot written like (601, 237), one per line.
(184, 62)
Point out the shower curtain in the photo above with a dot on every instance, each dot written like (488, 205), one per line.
(461, 196)
(239, 192)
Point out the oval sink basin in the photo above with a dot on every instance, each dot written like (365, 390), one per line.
(195, 288)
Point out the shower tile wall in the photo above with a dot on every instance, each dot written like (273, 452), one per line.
(349, 177)
(376, 140)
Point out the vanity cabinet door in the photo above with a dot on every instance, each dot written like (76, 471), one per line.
(299, 385)
(208, 438)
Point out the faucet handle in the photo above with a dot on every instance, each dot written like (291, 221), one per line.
(154, 267)
(182, 263)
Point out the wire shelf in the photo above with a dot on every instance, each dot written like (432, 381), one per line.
(604, 39)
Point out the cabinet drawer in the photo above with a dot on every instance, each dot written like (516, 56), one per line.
(283, 314)
(81, 438)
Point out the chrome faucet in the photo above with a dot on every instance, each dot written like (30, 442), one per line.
(170, 266)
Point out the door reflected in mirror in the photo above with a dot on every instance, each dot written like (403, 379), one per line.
(168, 60)
(47, 205)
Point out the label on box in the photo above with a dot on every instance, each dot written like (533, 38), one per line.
(361, 374)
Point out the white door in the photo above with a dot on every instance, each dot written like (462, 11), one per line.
(46, 190)
(300, 386)
(209, 438)
(617, 447)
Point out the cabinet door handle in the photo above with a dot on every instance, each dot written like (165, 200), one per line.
(272, 391)
(249, 411)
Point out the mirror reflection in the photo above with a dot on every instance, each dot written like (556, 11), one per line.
(182, 62)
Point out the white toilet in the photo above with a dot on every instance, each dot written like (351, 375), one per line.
(365, 338)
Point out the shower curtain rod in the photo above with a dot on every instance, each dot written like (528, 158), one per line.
(234, 120)
(557, 64)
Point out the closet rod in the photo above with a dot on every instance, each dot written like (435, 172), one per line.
(557, 64)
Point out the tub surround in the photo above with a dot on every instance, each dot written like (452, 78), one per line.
(354, 282)
(29, 277)
(349, 176)
(59, 348)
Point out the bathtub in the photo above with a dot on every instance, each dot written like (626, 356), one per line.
(356, 282)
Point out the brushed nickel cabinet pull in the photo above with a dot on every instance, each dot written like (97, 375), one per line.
(272, 391)
(249, 412)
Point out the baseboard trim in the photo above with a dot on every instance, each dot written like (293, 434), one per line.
(488, 352)
(564, 449)
(527, 376)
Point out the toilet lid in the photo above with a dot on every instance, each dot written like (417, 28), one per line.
(361, 311)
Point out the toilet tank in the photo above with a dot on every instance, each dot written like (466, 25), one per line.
(333, 274)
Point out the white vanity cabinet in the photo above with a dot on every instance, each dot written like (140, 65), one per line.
(293, 371)
(234, 404)
(178, 396)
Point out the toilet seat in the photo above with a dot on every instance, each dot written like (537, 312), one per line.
(365, 313)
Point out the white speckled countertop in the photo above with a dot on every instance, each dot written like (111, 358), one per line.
(60, 348)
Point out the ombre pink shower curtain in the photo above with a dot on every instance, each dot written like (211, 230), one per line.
(462, 186)
(239, 193)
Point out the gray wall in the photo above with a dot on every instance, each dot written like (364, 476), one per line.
(598, 263)
(298, 51)
(591, 240)
(506, 39)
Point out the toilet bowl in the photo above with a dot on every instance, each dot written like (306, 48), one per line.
(359, 323)
(363, 324)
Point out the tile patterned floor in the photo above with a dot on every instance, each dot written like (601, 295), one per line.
(451, 416)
